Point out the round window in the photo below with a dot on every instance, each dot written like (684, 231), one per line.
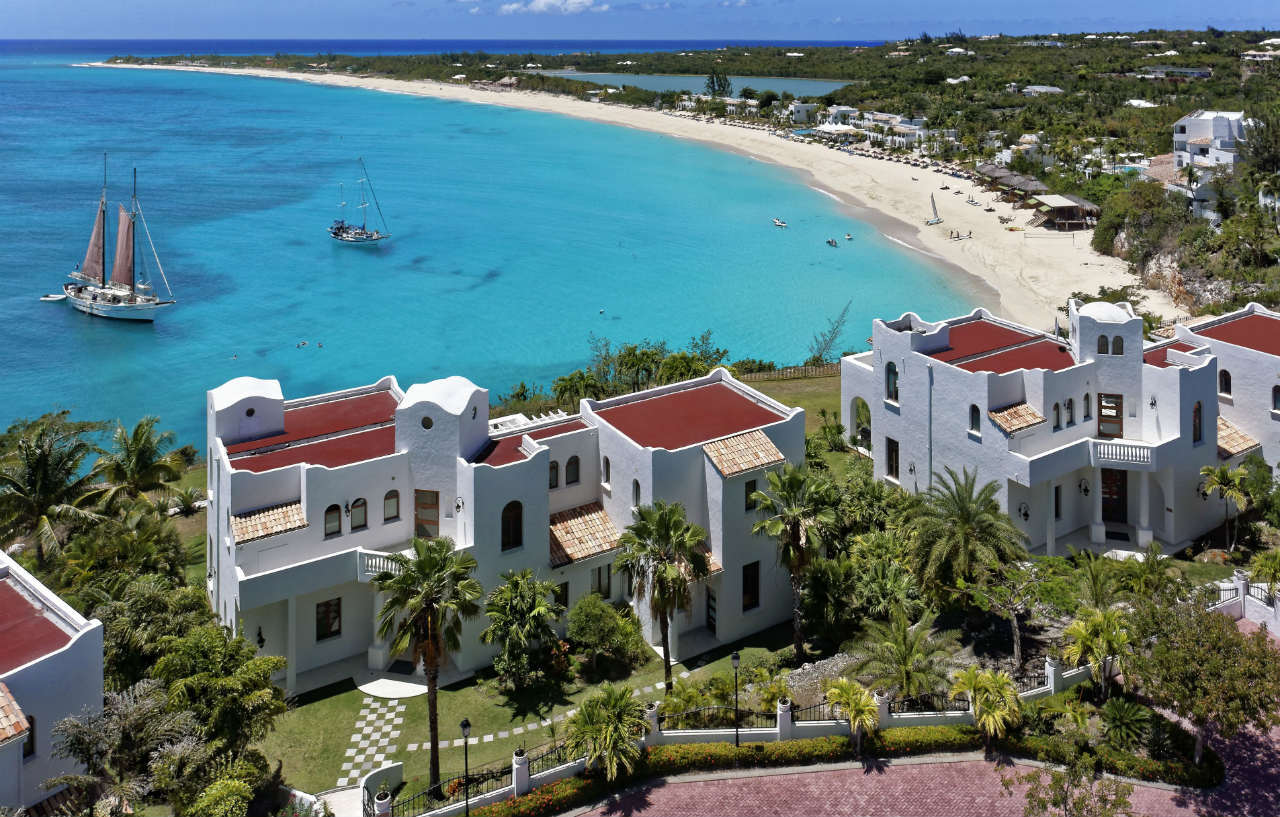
(426, 422)
(248, 412)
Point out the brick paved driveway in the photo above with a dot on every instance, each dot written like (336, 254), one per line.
(963, 789)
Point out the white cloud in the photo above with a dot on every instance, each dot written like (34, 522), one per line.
(474, 10)
(552, 7)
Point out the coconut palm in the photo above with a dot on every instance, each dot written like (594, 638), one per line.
(429, 594)
(795, 505)
(522, 614)
(1097, 578)
(679, 366)
(993, 696)
(959, 532)
(1229, 484)
(665, 555)
(576, 385)
(1141, 578)
(906, 659)
(607, 729)
(45, 488)
(1265, 569)
(139, 461)
(856, 704)
(1101, 639)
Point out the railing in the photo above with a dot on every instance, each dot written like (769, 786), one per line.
(371, 564)
(454, 790)
(817, 712)
(1226, 594)
(1127, 453)
(368, 803)
(717, 717)
(554, 756)
(793, 372)
(932, 702)
(1260, 593)
(1030, 681)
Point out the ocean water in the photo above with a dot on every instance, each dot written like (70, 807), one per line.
(517, 235)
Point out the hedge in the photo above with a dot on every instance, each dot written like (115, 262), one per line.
(681, 758)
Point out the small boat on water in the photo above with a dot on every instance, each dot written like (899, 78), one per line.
(126, 295)
(777, 222)
(361, 235)
(832, 242)
(848, 236)
(936, 218)
(53, 297)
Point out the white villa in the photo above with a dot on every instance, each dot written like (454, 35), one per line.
(1096, 439)
(50, 668)
(306, 497)
(1208, 138)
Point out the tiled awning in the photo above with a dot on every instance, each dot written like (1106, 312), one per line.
(264, 522)
(1232, 442)
(713, 567)
(12, 722)
(1016, 417)
(581, 532)
(741, 453)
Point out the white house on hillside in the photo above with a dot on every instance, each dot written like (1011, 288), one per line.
(307, 495)
(50, 668)
(1097, 439)
(1208, 138)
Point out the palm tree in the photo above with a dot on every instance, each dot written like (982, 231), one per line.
(607, 729)
(1265, 569)
(680, 366)
(857, 704)
(429, 595)
(576, 385)
(45, 488)
(908, 660)
(1141, 578)
(665, 555)
(1229, 484)
(522, 615)
(960, 532)
(1099, 638)
(139, 461)
(1097, 577)
(994, 699)
(794, 505)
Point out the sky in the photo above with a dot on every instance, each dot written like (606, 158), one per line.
(815, 20)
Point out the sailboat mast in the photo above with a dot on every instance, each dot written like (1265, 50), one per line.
(102, 207)
(133, 234)
(373, 192)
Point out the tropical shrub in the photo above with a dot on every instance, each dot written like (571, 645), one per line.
(608, 638)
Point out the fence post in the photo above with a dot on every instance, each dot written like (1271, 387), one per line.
(1051, 670)
(520, 772)
(882, 707)
(655, 727)
(785, 727)
(1241, 580)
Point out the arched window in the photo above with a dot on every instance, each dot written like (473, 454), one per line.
(862, 423)
(391, 506)
(606, 471)
(1102, 344)
(1224, 382)
(1088, 406)
(359, 514)
(1275, 398)
(891, 382)
(1071, 411)
(1057, 416)
(332, 520)
(553, 479)
(512, 525)
(975, 418)
(1117, 345)
(635, 492)
(1197, 423)
(571, 471)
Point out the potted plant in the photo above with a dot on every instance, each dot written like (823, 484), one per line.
(382, 800)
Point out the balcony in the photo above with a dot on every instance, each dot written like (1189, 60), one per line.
(372, 563)
(1123, 454)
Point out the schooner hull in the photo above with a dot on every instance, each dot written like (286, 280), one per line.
(145, 311)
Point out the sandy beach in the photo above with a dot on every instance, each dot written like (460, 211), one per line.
(1024, 276)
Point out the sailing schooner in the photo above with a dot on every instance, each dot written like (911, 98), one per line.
(123, 296)
(362, 235)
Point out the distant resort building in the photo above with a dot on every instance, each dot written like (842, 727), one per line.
(307, 496)
(50, 669)
(1096, 439)
(1173, 72)
(1208, 138)
(1041, 90)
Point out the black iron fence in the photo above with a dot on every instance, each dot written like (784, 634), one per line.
(368, 803)
(548, 758)
(817, 712)
(454, 790)
(717, 717)
(931, 702)
(1260, 593)
(1227, 594)
(1031, 680)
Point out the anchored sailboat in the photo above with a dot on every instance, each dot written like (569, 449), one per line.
(126, 295)
(350, 233)
(936, 218)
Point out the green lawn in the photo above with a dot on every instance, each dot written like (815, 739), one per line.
(809, 393)
(311, 739)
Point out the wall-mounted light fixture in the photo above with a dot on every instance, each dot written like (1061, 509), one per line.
(262, 642)
(458, 505)
(346, 506)
(911, 468)
(1024, 511)
(1084, 487)
(1203, 491)
(1153, 401)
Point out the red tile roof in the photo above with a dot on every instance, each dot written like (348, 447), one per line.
(1160, 357)
(687, 417)
(12, 722)
(26, 633)
(332, 417)
(1258, 332)
(1043, 354)
(506, 450)
(976, 337)
(331, 453)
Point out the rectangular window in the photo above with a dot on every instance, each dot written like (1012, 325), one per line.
(602, 581)
(1057, 502)
(750, 586)
(1110, 415)
(426, 513)
(891, 457)
(750, 489)
(561, 594)
(329, 619)
(29, 742)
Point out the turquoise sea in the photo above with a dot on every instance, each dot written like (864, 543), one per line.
(516, 236)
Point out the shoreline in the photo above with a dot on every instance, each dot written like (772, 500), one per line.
(1022, 276)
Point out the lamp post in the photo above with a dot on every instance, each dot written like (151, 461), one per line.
(466, 767)
(735, 659)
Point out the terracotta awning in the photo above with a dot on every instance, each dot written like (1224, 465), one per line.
(264, 522)
(741, 453)
(12, 722)
(1232, 442)
(1016, 417)
(581, 532)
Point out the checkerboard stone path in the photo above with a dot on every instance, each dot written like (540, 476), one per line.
(378, 724)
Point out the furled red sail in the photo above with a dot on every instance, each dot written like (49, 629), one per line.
(91, 269)
(122, 268)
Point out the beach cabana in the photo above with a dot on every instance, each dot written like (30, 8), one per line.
(1063, 212)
